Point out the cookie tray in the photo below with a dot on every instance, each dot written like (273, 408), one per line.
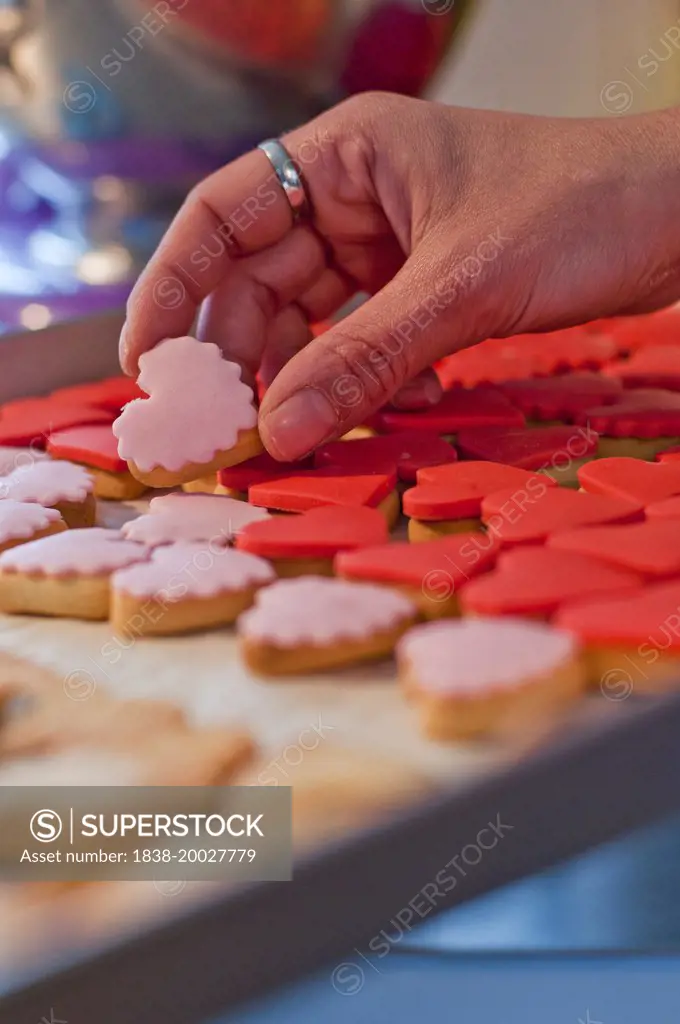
(125, 951)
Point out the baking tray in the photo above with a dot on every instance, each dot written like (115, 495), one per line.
(127, 952)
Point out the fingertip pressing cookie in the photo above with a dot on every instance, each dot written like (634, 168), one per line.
(448, 499)
(184, 588)
(63, 486)
(329, 486)
(314, 623)
(429, 574)
(198, 418)
(96, 448)
(22, 522)
(307, 544)
(65, 575)
(479, 677)
(210, 519)
(535, 581)
(631, 641)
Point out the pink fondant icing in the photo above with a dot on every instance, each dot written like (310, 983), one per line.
(192, 570)
(317, 610)
(198, 404)
(480, 654)
(189, 518)
(47, 483)
(90, 552)
(16, 458)
(23, 519)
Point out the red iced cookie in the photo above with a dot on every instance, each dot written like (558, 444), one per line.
(537, 580)
(93, 446)
(651, 548)
(456, 492)
(561, 397)
(631, 479)
(459, 408)
(403, 453)
(572, 349)
(516, 517)
(654, 366)
(435, 569)
(646, 617)
(319, 533)
(645, 413)
(33, 420)
(537, 448)
(112, 393)
(669, 455)
(258, 471)
(662, 328)
(323, 487)
(489, 362)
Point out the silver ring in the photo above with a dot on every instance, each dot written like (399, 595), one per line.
(288, 175)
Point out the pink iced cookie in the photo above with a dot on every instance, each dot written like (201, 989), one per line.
(23, 521)
(74, 553)
(66, 574)
(199, 416)
(192, 518)
(186, 587)
(48, 483)
(62, 485)
(486, 675)
(312, 622)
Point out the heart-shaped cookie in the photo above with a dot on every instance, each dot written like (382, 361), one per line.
(535, 581)
(319, 533)
(93, 446)
(431, 574)
(403, 453)
(642, 422)
(632, 641)
(492, 361)
(651, 548)
(561, 397)
(314, 623)
(191, 519)
(572, 349)
(328, 487)
(531, 518)
(488, 676)
(456, 491)
(112, 393)
(29, 423)
(654, 366)
(558, 451)
(199, 415)
(60, 485)
(631, 479)
(259, 470)
(459, 408)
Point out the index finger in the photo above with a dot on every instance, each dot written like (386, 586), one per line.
(241, 208)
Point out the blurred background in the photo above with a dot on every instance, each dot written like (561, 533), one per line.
(111, 110)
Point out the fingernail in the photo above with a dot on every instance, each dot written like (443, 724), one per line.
(123, 348)
(300, 424)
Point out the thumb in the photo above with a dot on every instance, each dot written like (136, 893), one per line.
(343, 376)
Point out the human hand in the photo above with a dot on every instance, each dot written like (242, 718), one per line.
(461, 224)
